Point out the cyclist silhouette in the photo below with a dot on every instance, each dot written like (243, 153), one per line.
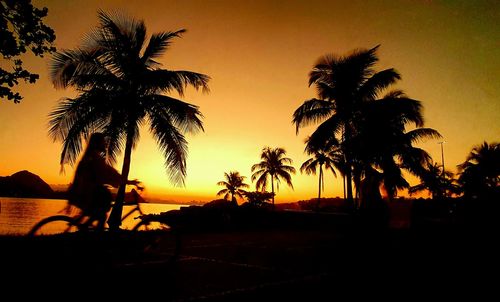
(89, 190)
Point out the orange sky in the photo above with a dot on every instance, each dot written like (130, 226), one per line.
(258, 54)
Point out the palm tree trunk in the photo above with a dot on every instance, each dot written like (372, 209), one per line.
(348, 174)
(272, 187)
(233, 200)
(115, 220)
(343, 185)
(319, 189)
(349, 184)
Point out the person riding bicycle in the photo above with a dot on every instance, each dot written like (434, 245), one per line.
(89, 190)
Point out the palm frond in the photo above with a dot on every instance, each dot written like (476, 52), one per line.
(65, 63)
(259, 166)
(419, 134)
(223, 191)
(287, 169)
(75, 118)
(378, 82)
(397, 106)
(81, 129)
(258, 172)
(326, 131)
(309, 166)
(168, 81)
(261, 183)
(173, 145)
(120, 28)
(116, 133)
(414, 160)
(416, 188)
(281, 174)
(330, 165)
(312, 111)
(186, 117)
(323, 68)
(158, 45)
(358, 64)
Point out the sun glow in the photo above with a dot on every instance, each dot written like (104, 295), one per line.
(258, 55)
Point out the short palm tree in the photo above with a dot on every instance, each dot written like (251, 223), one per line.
(480, 173)
(273, 165)
(382, 141)
(234, 185)
(327, 156)
(434, 182)
(120, 87)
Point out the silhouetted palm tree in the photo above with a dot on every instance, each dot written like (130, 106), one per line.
(120, 87)
(382, 142)
(233, 185)
(480, 173)
(433, 181)
(274, 165)
(327, 156)
(343, 83)
(347, 88)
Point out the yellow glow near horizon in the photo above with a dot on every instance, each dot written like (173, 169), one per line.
(259, 54)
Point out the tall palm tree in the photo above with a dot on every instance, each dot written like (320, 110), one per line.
(480, 173)
(234, 185)
(273, 165)
(343, 83)
(327, 156)
(121, 86)
(347, 86)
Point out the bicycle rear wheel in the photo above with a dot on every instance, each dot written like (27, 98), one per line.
(55, 225)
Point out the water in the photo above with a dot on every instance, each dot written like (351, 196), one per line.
(18, 215)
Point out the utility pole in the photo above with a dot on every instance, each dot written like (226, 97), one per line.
(443, 175)
(442, 158)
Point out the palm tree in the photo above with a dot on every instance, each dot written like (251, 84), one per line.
(382, 141)
(480, 173)
(233, 185)
(274, 165)
(327, 156)
(120, 87)
(343, 83)
(348, 88)
(432, 180)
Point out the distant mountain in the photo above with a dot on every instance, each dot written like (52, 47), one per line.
(25, 184)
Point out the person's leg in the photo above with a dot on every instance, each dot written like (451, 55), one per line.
(102, 204)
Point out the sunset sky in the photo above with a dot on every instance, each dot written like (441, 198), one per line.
(259, 54)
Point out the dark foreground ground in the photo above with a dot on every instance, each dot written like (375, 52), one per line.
(294, 264)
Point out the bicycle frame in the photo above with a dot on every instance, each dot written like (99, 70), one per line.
(136, 208)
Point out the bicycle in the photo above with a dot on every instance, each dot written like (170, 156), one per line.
(67, 223)
(160, 236)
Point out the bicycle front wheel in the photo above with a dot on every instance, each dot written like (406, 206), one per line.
(167, 240)
(55, 225)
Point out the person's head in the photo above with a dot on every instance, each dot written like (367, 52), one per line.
(97, 143)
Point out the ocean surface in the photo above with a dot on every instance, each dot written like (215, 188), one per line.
(19, 215)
